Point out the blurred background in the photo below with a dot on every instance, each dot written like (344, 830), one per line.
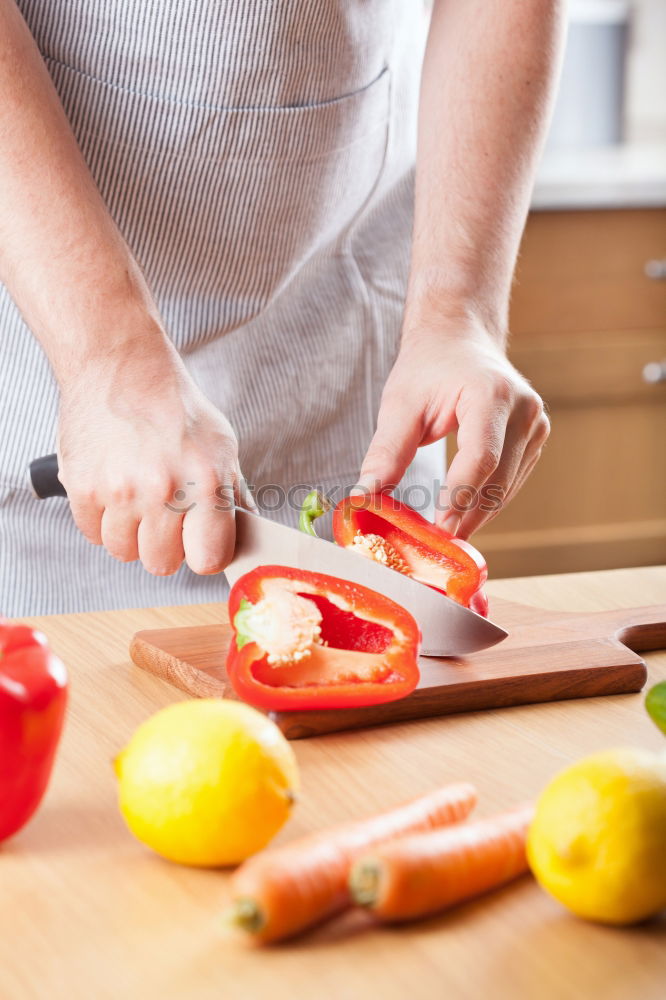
(588, 315)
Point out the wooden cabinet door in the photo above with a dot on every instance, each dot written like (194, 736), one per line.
(587, 319)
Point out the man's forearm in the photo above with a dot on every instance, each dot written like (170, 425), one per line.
(487, 85)
(61, 256)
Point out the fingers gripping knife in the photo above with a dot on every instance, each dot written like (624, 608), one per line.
(448, 628)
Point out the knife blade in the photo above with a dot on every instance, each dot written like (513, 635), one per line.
(448, 629)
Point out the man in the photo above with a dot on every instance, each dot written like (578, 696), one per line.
(205, 221)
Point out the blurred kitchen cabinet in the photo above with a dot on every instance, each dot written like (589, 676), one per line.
(588, 314)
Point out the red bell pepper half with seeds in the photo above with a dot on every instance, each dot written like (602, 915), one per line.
(382, 528)
(305, 640)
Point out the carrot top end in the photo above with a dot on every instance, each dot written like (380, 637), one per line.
(364, 880)
(246, 915)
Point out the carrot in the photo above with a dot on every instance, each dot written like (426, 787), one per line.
(286, 889)
(427, 872)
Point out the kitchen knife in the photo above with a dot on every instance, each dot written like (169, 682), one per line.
(448, 628)
(44, 478)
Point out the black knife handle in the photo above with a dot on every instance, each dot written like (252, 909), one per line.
(44, 477)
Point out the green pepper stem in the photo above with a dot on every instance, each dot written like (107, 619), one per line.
(243, 623)
(314, 505)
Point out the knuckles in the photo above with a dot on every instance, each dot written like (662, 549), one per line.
(518, 395)
(534, 414)
(82, 496)
(532, 407)
(157, 488)
(543, 429)
(487, 460)
(215, 480)
(121, 494)
(504, 390)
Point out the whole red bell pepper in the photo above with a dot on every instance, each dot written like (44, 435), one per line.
(305, 640)
(33, 696)
(391, 532)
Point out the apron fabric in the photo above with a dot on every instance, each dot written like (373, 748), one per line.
(257, 156)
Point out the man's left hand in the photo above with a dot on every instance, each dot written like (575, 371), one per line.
(455, 375)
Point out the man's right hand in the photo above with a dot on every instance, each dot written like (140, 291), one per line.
(134, 429)
(149, 464)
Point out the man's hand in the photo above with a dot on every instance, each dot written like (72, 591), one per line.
(487, 85)
(458, 378)
(150, 466)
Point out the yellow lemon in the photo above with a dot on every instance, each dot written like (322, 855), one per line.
(206, 782)
(598, 840)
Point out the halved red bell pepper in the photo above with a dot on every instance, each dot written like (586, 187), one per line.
(305, 640)
(383, 528)
(33, 695)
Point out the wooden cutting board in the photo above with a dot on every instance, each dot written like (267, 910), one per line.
(548, 655)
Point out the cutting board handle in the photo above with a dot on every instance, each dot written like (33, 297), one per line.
(640, 629)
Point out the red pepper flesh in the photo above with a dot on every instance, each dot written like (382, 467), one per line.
(425, 552)
(33, 696)
(366, 651)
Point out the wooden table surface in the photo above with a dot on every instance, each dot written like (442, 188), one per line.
(87, 912)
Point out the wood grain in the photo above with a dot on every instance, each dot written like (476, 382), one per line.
(546, 657)
(87, 912)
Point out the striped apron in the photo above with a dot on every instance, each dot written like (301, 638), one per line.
(257, 156)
